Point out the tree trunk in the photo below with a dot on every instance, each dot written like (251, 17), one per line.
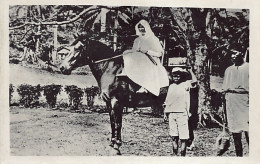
(192, 22)
(199, 59)
(103, 19)
(35, 55)
(202, 72)
(115, 33)
(37, 46)
(164, 45)
(55, 42)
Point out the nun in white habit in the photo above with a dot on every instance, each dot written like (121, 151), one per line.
(142, 63)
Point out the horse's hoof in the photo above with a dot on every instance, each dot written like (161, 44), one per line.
(119, 143)
(118, 152)
(112, 142)
(116, 146)
(114, 152)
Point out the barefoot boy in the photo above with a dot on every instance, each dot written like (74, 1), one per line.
(177, 107)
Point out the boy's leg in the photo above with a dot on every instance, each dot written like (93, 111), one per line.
(173, 131)
(183, 128)
(175, 140)
(191, 133)
(238, 144)
(183, 147)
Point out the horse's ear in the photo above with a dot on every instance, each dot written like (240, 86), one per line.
(84, 34)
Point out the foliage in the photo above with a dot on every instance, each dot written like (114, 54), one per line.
(62, 105)
(29, 95)
(75, 96)
(176, 25)
(50, 92)
(11, 91)
(91, 92)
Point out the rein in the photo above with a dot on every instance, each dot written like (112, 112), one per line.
(102, 60)
(98, 61)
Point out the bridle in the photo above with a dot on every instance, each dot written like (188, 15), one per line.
(88, 59)
(85, 49)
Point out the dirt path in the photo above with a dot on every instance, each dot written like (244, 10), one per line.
(19, 75)
(41, 132)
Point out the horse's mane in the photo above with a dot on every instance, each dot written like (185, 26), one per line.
(97, 49)
(100, 50)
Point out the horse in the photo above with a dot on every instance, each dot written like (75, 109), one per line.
(117, 92)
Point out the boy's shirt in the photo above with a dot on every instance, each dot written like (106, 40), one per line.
(178, 98)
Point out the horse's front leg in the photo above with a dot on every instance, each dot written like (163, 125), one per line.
(117, 117)
(112, 123)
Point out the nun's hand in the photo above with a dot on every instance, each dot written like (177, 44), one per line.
(142, 51)
(127, 51)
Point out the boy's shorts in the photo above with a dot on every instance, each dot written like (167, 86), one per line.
(178, 125)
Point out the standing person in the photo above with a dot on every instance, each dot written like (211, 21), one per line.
(142, 64)
(236, 87)
(177, 107)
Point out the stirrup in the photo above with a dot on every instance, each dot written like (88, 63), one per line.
(142, 90)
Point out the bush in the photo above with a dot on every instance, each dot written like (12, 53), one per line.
(75, 96)
(62, 105)
(29, 95)
(50, 92)
(91, 93)
(11, 91)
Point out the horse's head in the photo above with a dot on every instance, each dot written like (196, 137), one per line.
(85, 51)
(77, 56)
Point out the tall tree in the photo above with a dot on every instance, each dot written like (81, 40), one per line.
(192, 23)
(204, 30)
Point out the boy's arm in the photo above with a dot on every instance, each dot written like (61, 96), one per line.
(193, 84)
(193, 79)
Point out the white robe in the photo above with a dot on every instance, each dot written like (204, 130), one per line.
(141, 70)
(237, 105)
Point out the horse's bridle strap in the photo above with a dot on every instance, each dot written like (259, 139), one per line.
(98, 61)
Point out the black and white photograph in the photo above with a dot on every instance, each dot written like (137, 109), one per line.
(129, 80)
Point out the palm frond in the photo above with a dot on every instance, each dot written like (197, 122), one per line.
(88, 21)
(233, 15)
(124, 17)
(98, 17)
